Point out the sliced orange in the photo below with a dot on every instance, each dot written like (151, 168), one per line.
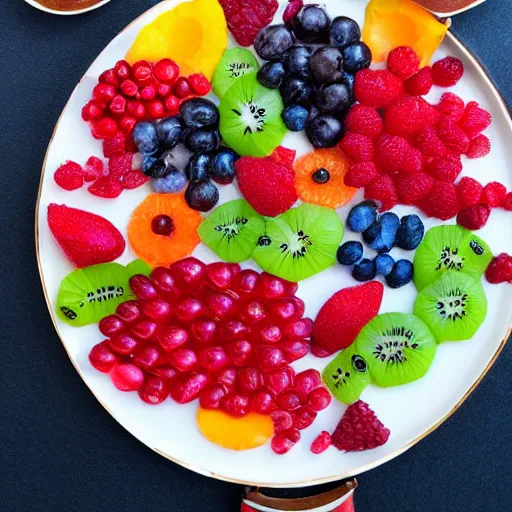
(244, 433)
(162, 250)
(334, 192)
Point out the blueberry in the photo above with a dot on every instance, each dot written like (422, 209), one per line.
(174, 182)
(324, 131)
(147, 163)
(381, 234)
(296, 91)
(311, 24)
(199, 113)
(203, 141)
(356, 56)
(313, 113)
(362, 216)
(350, 253)
(272, 42)
(198, 167)
(201, 195)
(160, 169)
(294, 118)
(384, 264)
(333, 99)
(145, 138)
(321, 176)
(271, 74)
(327, 65)
(296, 61)
(364, 270)
(402, 273)
(169, 131)
(344, 31)
(349, 80)
(410, 233)
(222, 168)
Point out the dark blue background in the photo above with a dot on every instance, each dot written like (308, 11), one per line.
(60, 450)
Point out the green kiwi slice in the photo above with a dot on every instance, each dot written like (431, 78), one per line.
(250, 117)
(234, 63)
(300, 242)
(347, 375)
(447, 248)
(399, 348)
(88, 294)
(232, 230)
(454, 306)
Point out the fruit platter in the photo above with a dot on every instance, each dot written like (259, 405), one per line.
(278, 235)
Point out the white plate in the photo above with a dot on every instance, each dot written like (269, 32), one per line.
(410, 411)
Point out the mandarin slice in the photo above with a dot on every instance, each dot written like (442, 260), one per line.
(244, 433)
(180, 228)
(331, 193)
(392, 23)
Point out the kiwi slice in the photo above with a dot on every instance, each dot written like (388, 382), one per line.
(300, 242)
(347, 375)
(234, 63)
(250, 117)
(447, 248)
(454, 306)
(232, 230)
(88, 294)
(399, 348)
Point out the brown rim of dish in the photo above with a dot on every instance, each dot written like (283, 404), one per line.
(304, 483)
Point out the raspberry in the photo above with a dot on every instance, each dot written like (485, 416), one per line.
(358, 147)
(119, 165)
(383, 190)
(359, 429)
(360, 174)
(69, 176)
(321, 442)
(429, 143)
(413, 161)
(469, 191)
(377, 88)
(499, 269)
(199, 84)
(284, 156)
(451, 106)
(507, 203)
(441, 202)
(453, 137)
(364, 120)
(93, 168)
(115, 145)
(420, 83)
(478, 147)
(473, 217)
(390, 151)
(412, 187)
(447, 72)
(494, 194)
(409, 114)
(474, 120)
(444, 168)
(134, 179)
(108, 187)
(403, 62)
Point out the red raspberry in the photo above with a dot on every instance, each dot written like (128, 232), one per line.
(451, 106)
(119, 165)
(359, 429)
(115, 145)
(134, 179)
(360, 174)
(199, 84)
(105, 128)
(474, 120)
(69, 176)
(429, 143)
(409, 114)
(413, 161)
(358, 147)
(507, 203)
(494, 194)
(108, 187)
(469, 191)
(441, 202)
(499, 269)
(474, 217)
(364, 120)
(321, 442)
(377, 88)
(411, 187)
(420, 83)
(390, 151)
(382, 189)
(453, 137)
(403, 62)
(447, 72)
(444, 168)
(93, 168)
(480, 146)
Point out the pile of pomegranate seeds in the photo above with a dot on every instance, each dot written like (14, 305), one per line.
(220, 334)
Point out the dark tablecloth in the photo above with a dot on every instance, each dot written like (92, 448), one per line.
(60, 450)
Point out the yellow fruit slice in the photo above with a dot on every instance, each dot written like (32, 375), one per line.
(224, 430)
(392, 23)
(193, 34)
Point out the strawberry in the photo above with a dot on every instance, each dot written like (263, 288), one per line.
(69, 176)
(474, 217)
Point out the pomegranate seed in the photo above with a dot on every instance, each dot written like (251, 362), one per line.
(300, 329)
(249, 379)
(104, 93)
(239, 352)
(166, 71)
(110, 325)
(127, 124)
(321, 442)
(157, 309)
(183, 359)
(307, 381)
(227, 378)
(219, 274)
(281, 444)
(187, 389)
(156, 109)
(204, 331)
(213, 358)
(199, 84)
(141, 72)
(148, 93)
(283, 420)
(188, 309)
(289, 400)
(271, 358)
(292, 434)
(118, 105)
(102, 358)
(109, 76)
(189, 273)
(272, 287)
(136, 109)
(280, 380)
(144, 329)
(182, 88)
(147, 357)
(129, 88)
(128, 311)
(165, 372)
(220, 304)
(154, 390)
(262, 402)
(287, 310)
(105, 128)
(270, 334)
(123, 344)
(246, 281)
(236, 404)
(172, 104)
(210, 398)
(127, 377)
(92, 111)
(123, 69)
(294, 350)
(319, 399)
(304, 417)
(163, 90)
(253, 312)
(164, 282)
(234, 330)
(170, 337)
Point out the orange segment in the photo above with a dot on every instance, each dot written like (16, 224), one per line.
(392, 23)
(159, 250)
(333, 193)
(244, 433)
